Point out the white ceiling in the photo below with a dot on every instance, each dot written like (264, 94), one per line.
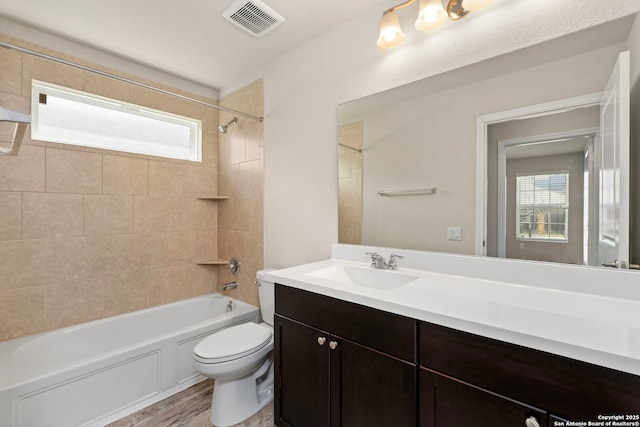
(188, 38)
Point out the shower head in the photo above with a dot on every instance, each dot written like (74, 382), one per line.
(223, 128)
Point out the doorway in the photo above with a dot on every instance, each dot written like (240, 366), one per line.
(546, 193)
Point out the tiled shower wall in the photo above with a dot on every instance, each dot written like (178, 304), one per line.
(350, 183)
(87, 233)
(240, 176)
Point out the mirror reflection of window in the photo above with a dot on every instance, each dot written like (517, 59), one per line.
(542, 209)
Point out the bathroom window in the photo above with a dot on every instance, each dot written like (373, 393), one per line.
(70, 116)
(542, 206)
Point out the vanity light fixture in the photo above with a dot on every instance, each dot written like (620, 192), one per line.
(431, 14)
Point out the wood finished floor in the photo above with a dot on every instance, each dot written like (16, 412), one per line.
(189, 408)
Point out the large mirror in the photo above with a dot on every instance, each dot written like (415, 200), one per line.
(500, 158)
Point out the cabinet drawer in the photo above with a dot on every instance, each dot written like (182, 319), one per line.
(448, 402)
(570, 388)
(386, 332)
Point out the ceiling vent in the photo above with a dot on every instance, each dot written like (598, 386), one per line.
(253, 16)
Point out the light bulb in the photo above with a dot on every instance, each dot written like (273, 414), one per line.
(389, 35)
(390, 32)
(430, 15)
(475, 4)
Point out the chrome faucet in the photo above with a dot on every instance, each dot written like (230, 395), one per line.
(230, 285)
(392, 265)
(377, 260)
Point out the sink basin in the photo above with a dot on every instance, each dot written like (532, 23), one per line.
(366, 277)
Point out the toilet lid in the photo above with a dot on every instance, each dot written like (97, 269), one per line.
(233, 343)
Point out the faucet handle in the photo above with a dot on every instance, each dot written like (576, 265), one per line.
(392, 265)
(377, 261)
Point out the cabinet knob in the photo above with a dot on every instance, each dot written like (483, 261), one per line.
(322, 340)
(531, 422)
(333, 345)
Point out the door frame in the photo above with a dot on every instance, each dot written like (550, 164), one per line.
(482, 127)
(503, 145)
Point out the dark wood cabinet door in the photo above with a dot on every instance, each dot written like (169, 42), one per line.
(445, 402)
(301, 375)
(370, 388)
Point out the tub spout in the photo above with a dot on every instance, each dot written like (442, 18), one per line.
(230, 285)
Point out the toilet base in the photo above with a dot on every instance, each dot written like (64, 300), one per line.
(236, 400)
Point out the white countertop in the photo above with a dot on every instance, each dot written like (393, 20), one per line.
(592, 327)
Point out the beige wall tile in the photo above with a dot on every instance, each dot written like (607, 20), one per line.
(240, 166)
(24, 172)
(206, 245)
(202, 181)
(11, 217)
(168, 285)
(230, 244)
(25, 263)
(47, 215)
(167, 179)
(51, 72)
(228, 178)
(146, 251)
(210, 143)
(108, 87)
(254, 134)
(73, 303)
(75, 258)
(201, 279)
(70, 171)
(254, 249)
(57, 278)
(125, 175)
(108, 214)
(191, 214)
(10, 71)
(250, 179)
(247, 290)
(152, 214)
(234, 145)
(22, 312)
(180, 248)
(124, 293)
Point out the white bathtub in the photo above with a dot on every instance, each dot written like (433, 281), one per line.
(97, 372)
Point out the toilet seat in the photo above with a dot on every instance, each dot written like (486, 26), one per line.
(232, 343)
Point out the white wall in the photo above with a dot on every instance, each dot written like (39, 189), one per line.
(304, 87)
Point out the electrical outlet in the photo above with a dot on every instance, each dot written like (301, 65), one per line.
(454, 233)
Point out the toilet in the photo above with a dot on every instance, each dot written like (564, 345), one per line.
(240, 360)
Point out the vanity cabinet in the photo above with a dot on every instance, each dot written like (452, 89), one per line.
(446, 401)
(342, 364)
(505, 381)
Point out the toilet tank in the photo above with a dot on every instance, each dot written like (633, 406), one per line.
(266, 293)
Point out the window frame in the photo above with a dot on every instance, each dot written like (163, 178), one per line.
(39, 87)
(565, 206)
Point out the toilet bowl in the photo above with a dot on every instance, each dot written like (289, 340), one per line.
(239, 359)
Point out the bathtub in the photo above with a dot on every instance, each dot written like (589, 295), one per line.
(97, 372)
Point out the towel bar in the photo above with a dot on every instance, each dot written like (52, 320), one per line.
(425, 191)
